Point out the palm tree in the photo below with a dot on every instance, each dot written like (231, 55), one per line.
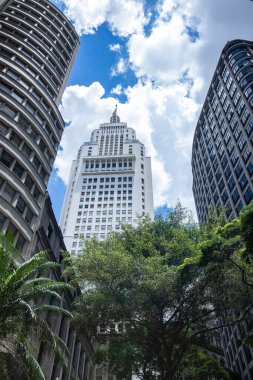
(26, 294)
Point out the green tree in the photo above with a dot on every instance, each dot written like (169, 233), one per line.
(25, 292)
(228, 256)
(196, 365)
(151, 279)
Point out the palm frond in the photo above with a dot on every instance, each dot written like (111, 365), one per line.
(52, 308)
(25, 354)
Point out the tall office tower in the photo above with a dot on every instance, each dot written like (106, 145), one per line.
(222, 164)
(110, 183)
(37, 48)
(222, 161)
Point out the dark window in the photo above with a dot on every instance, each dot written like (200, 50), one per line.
(218, 175)
(23, 122)
(216, 197)
(20, 243)
(246, 154)
(15, 139)
(215, 164)
(221, 185)
(239, 207)
(9, 193)
(228, 172)
(248, 195)
(18, 170)
(6, 159)
(247, 353)
(250, 167)
(231, 183)
(3, 129)
(235, 195)
(224, 161)
(238, 170)
(249, 127)
(243, 182)
(20, 206)
(9, 111)
(36, 193)
(26, 150)
(29, 216)
(29, 182)
(224, 196)
(36, 162)
(234, 157)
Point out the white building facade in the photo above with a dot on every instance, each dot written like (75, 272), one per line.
(110, 183)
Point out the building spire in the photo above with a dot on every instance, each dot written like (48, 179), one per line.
(115, 118)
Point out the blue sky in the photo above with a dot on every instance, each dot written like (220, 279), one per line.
(154, 58)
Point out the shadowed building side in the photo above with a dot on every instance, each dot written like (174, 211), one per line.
(222, 165)
(222, 162)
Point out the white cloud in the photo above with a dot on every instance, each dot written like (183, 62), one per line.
(85, 107)
(120, 68)
(115, 47)
(166, 54)
(117, 90)
(124, 17)
(167, 51)
(164, 113)
(169, 56)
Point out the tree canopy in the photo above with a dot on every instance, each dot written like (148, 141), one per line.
(171, 284)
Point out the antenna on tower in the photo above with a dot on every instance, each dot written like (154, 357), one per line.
(115, 118)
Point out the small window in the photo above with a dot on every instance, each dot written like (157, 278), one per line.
(20, 206)
(9, 193)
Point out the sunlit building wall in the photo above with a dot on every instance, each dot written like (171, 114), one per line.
(110, 183)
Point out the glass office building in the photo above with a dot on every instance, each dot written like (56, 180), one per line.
(222, 160)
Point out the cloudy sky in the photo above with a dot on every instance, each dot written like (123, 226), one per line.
(155, 59)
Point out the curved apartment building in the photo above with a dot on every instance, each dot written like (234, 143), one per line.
(37, 48)
(222, 153)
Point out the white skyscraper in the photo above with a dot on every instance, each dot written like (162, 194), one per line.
(110, 183)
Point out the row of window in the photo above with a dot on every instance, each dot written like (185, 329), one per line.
(89, 165)
(104, 212)
(32, 91)
(13, 165)
(245, 84)
(36, 42)
(18, 238)
(108, 179)
(30, 107)
(109, 186)
(30, 49)
(17, 140)
(43, 78)
(13, 197)
(54, 45)
(46, 13)
(106, 205)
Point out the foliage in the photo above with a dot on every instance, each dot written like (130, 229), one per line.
(26, 292)
(171, 283)
(197, 364)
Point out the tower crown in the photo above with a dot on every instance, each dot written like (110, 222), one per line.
(115, 118)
